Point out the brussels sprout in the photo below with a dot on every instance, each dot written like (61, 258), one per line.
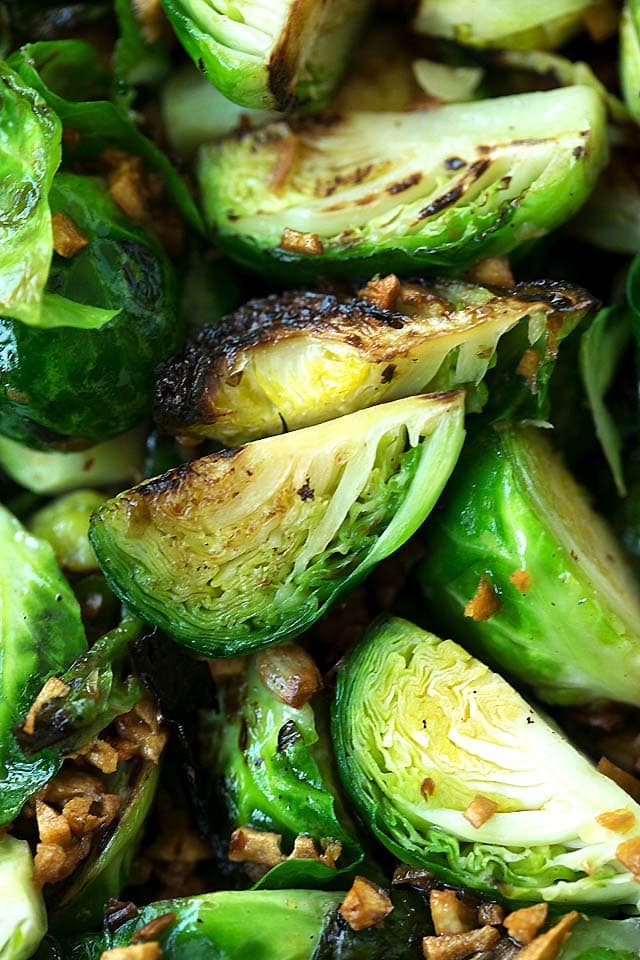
(504, 23)
(630, 56)
(273, 767)
(65, 525)
(29, 156)
(250, 546)
(271, 57)
(517, 535)
(23, 920)
(83, 385)
(40, 634)
(601, 350)
(115, 461)
(295, 359)
(594, 938)
(194, 112)
(60, 70)
(79, 904)
(394, 191)
(453, 771)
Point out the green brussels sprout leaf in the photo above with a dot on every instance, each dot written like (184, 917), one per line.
(64, 523)
(630, 56)
(454, 772)
(250, 546)
(23, 921)
(594, 938)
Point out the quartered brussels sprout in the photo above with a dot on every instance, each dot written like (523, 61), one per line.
(630, 56)
(271, 56)
(295, 359)
(52, 472)
(434, 188)
(250, 546)
(453, 771)
(519, 566)
(23, 920)
(40, 635)
(64, 524)
(67, 385)
(542, 24)
(273, 768)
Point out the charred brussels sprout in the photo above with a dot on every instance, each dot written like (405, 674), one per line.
(453, 771)
(23, 921)
(68, 386)
(250, 546)
(65, 525)
(274, 55)
(520, 566)
(273, 766)
(395, 191)
(542, 24)
(296, 359)
(40, 635)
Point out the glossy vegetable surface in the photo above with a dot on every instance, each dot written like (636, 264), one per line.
(23, 921)
(249, 546)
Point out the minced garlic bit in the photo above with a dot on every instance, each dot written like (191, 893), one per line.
(383, 292)
(67, 238)
(523, 925)
(262, 847)
(627, 781)
(547, 945)
(289, 673)
(601, 20)
(479, 811)
(628, 853)
(450, 914)
(494, 271)
(521, 580)
(484, 604)
(365, 904)
(620, 821)
(491, 913)
(283, 166)
(154, 928)
(99, 754)
(458, 946)
(222, 668)
(150, 16)
(52, 689)
(296, 242)
(137, 951)
(528, 367)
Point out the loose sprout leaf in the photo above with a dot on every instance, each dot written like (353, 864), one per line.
(446, 83)
(64, 523)
(40, 635)
(270, 56)
(515, 516)
(250, 546)
(81, 382)
(285, 924)
(503, 23)
(393, 191)
(29, 156)
(630, 56)
(60, 70)
(409, 707)
(295, 359)
(272, 765)
(594, 938)
(601, 350)
(23, 920)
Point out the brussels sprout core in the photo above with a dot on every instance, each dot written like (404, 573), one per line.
(410, 706)
(252, 545)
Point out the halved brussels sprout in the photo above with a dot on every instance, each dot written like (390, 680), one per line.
(273, 55)
(630, 56)
(69, 386)
(115, 461)
(64, 524)
(543, 24)
(273, 768)
(23, 919)
(392, 191)
(250, 546)
(295, 359)
(40, 635)
(453, 771)
(557, 605)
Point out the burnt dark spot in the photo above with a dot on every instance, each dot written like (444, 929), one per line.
(578, 152)
(243, 736)
(288, 734)
(454, 163)
(405, 184)
(388, 372)
(442, 202)
(118, 912)
(364, 201)
(306, 491)
(229, 454)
